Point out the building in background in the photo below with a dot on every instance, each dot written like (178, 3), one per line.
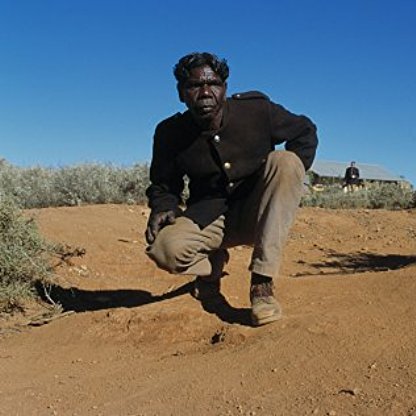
(329, 173)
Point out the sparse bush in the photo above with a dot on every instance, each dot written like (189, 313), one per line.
(24, 256)
(388, 196)
(74, 185)
(94, 183)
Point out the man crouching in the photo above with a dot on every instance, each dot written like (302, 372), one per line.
(241, 190)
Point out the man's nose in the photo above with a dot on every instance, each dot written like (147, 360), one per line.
(205, 90)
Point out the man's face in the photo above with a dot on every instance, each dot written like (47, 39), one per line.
(203, 93)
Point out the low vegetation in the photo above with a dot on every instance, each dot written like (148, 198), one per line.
(373, 196)
(92, 183)
(25, 257)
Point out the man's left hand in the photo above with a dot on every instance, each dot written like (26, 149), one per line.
(157, 222)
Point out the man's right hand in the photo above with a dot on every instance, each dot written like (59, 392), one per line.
(157, 222)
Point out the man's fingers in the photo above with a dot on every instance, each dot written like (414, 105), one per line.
(151, 231)
(154, 229)
(150, 238)
(171, 218)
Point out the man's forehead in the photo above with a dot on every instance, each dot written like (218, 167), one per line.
(203, 72)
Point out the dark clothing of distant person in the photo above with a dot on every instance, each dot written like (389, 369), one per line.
(352, 175)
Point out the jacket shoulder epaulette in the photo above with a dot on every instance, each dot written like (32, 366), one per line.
(170, 121)
(249, 95)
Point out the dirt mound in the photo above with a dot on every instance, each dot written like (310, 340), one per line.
(137, 343)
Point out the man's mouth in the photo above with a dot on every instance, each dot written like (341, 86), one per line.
(205, 108)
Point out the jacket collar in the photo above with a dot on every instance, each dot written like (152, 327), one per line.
(190, 125)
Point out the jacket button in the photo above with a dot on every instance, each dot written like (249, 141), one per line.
(227, 165)
(217, 138)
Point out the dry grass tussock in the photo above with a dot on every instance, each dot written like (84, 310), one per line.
(24, 256)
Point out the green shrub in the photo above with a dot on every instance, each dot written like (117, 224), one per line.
(24, 256)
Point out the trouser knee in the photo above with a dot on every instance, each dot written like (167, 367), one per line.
(287, 163)
(170, 253)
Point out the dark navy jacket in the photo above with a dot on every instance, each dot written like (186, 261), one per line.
(222, 165)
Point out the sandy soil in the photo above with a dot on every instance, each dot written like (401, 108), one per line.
(139, 344)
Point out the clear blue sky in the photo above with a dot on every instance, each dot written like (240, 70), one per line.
(88, 80)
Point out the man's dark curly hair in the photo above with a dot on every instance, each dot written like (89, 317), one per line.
(197, 59)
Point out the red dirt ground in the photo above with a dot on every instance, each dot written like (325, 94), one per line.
(139, 344)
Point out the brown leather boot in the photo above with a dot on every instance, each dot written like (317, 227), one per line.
(264, 307)
(208, 287)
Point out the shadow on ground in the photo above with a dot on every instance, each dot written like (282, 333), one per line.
(78, 300)
(227, 313)
(340, 263)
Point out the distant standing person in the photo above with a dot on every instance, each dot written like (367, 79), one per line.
(352, 177)
(241, 190)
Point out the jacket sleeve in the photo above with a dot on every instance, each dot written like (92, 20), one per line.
(167, 182)
(297, 131)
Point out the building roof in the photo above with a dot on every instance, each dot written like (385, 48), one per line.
(331, 169)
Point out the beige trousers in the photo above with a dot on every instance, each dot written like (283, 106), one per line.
(262, 220)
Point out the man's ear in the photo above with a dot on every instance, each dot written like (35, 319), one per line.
(179, 89)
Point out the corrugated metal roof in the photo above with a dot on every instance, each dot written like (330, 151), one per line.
(331, 169)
